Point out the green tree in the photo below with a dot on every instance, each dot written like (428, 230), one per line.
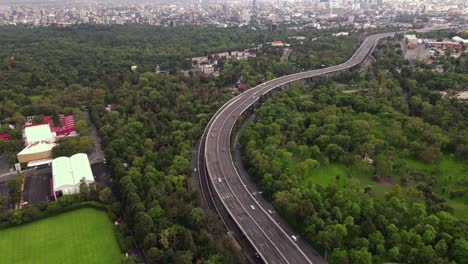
(15, 188)
(334, 151)
(105, 195)
(459, 250)
(394, 254)
(155, 255)
(84, 190)
(361, 256)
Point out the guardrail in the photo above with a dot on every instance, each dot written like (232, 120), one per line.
(213, 151)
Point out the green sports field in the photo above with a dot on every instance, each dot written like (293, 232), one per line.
(81, 236)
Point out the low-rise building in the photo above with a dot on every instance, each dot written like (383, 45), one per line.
(460, 40)
(340, 34)
(40, 138)
(5, 136)
(411, 39)
(444, 44)
(37, 133)
(69, 173)
(277, 43)
(47, 130)
(207, 68)
(37, 153)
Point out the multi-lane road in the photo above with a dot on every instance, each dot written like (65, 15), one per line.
(271, 242)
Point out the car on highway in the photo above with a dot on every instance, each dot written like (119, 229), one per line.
(217, 149)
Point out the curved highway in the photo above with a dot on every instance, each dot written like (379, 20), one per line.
(272, 243)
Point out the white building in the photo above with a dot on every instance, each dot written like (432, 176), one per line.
(412, 39)
(67, 174)
(207, 68)
(460, 40)
(340, 34)
(37, 153)
(39, 139)
(37, 133)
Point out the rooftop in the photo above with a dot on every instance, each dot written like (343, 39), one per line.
(37, 133)
(70, 171)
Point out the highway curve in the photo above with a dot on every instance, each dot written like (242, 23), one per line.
(267, 237)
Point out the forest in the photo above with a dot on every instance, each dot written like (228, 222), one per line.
(373, 170)
(155, 121)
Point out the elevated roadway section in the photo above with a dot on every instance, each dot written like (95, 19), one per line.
(226, 188)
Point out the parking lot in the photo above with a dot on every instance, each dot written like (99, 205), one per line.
(37, 186)
(37, 183)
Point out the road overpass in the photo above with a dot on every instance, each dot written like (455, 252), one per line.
(271, 242)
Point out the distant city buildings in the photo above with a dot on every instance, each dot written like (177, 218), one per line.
(253, 13)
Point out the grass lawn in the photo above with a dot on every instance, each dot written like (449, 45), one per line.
(326, 174)
(448, 170)
(36, 98)
(460, 208)
(81, 236)
(451, 175)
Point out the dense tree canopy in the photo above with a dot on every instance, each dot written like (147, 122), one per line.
(156, 120)
(384, 134)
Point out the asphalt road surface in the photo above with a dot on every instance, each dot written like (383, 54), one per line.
(37, 186)
(271, 241)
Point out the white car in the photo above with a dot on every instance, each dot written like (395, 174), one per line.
(294, 238)
(270, 211)
(253, 207)
(219, 179)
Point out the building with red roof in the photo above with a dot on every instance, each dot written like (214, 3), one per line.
(65, 127)
(5, 136)
(277, 43)
(40, 138)
(243, 86)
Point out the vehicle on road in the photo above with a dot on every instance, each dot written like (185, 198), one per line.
(219, 162)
